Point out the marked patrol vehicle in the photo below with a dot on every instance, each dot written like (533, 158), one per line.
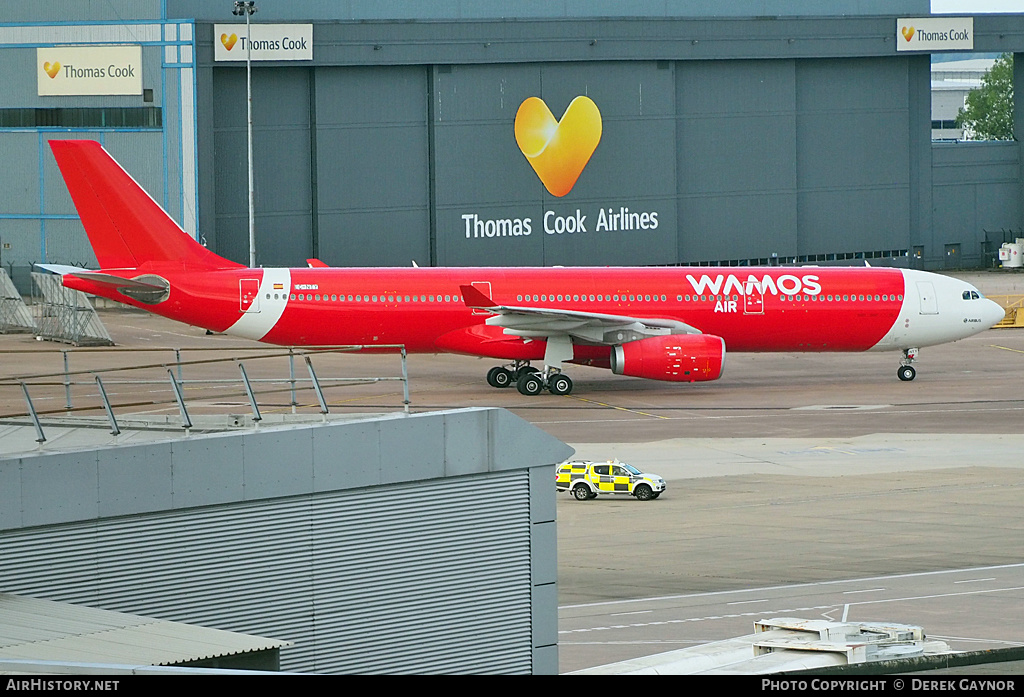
(585, 480)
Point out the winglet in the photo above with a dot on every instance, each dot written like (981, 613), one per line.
(316, 264)
(472, 296)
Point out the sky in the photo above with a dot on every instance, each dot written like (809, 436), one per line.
(973, 7)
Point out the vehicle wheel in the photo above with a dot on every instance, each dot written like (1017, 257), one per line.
(499, 377)
(560, 384)
(593, 495)
(906, 373)
(643, 492)
(529, 384)
(655, 495)
(580, 492)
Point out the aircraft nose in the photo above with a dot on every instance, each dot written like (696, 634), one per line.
(992, 313)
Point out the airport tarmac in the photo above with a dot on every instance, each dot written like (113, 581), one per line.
(806, 485)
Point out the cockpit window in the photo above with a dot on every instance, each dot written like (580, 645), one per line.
(971, 295)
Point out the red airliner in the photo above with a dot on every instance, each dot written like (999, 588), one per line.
(669, 323)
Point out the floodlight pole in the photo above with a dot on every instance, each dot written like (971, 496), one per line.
(248, 8)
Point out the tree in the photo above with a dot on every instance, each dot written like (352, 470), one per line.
(988, 112)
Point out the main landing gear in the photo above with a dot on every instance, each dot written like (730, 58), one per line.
(906, 372)
(528, 380)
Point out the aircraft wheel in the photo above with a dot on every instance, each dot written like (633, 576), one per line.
(499, 377)
(560, 384)
(523, 371)
(906, 373)
(529, 384)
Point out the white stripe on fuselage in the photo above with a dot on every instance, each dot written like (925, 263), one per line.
(256, 325)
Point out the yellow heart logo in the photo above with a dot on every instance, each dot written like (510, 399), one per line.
(228, 41)
(558, 150)
(52, 68)
(908, 33)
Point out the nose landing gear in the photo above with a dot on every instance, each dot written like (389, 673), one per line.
(906, 372)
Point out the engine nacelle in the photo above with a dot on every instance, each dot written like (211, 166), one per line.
(676, 358)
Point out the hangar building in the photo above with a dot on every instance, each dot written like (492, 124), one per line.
(401, 544)
(389, 134)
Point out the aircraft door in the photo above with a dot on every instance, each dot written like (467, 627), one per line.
(926, 295)
(249, 295)
(753, 299)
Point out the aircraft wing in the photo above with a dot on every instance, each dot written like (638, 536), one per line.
(590, 327)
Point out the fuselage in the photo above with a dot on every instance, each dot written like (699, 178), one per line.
(752, 309)
(671, 323)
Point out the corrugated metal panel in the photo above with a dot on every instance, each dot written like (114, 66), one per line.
(45, 630)
(423, 578)
(80, 34)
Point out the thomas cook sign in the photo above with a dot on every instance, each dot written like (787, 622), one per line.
(269, 42)
(76, 70)
(935, 34)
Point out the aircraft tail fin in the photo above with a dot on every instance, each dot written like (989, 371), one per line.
(126, 227)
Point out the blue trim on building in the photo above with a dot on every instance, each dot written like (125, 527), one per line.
(41, 216)
(42, 197)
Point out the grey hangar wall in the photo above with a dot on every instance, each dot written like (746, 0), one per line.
(397, 145)
(421, 544)
(806, 137)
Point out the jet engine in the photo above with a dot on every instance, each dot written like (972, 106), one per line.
(675, 357)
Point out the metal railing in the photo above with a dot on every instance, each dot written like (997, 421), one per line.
(102, 378)
(1014, 307)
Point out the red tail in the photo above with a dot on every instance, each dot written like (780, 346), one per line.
(126, 227)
